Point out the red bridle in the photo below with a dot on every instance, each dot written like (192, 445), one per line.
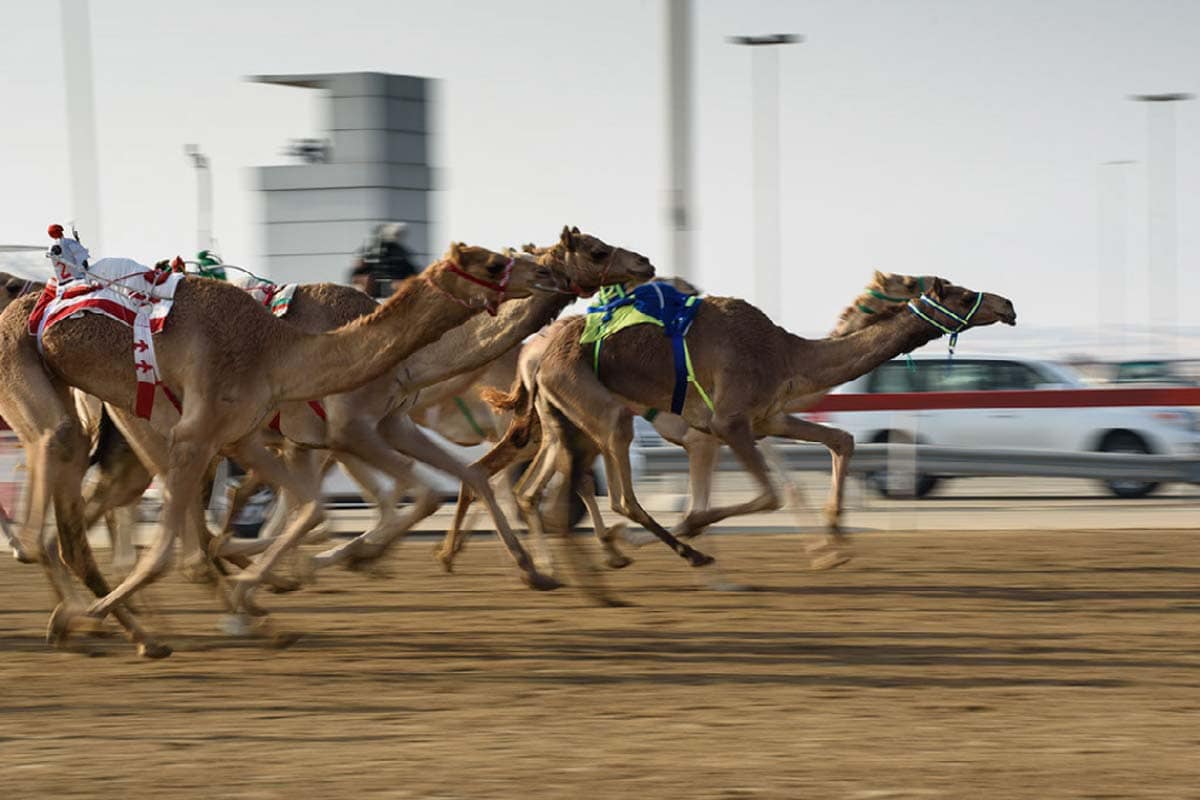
(500, 288)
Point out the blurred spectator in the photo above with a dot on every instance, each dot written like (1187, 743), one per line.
(383, 261)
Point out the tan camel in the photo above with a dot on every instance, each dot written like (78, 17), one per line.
(231, 363)
(588, 263)
(755, 371)
(362, 426)
(884, 291)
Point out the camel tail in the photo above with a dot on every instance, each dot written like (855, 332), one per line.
(108, 439)
(517, 396)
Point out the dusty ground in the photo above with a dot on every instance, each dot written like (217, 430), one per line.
(964, 665)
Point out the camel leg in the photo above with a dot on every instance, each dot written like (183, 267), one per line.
(370, 545)
(121, 523)
(736, 432)
(24, 550)
(357, 439)
(67, 457)
(190, 452)
(841, 448)
(516, 444)
(11, 539)
(702, 452)
(68, 509)
(606, 536)
(609, 423)
(403, 434)
(570, 452)
(304, 485)
(151, 449)
(530, 490)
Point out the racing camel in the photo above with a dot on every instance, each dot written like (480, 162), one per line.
(230, 363)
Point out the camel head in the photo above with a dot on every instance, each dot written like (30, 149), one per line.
(480, 278)
(947, 306)
(12, 287)
(886, 293)
(589, 262)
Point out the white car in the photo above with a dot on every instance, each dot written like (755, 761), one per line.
(1166, 431)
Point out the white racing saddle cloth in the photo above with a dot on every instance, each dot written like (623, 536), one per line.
(124, 290)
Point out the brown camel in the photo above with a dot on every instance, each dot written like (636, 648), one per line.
(884, 291)
(231, 363)
(357, 421)
(755, 371)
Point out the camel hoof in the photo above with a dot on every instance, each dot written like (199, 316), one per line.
(284, 585)
(618, 561)
(62, 620)
(540, 582)
(831, 560)
(153, 650)
(698, 559)
(236, 625)
(197, 569)
(282, 641)
(98, 609)
(445, 559)
(24, 557)
(242, 598)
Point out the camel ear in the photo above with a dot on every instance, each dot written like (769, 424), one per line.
(529, 247)
(569, 240)
(456, 253)
(937, 289)
(879, 278)
(575, 230)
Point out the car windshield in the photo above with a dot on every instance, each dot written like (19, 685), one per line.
(959, 375)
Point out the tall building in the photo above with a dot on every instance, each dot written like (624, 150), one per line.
(372, 168)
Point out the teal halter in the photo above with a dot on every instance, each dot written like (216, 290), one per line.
(963, 322)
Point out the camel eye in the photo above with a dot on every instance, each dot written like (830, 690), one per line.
(495, 269)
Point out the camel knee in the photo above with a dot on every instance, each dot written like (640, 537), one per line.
(620, 428)
(842, 444)
(66, 443)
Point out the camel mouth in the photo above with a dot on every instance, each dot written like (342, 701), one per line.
(1010, 319)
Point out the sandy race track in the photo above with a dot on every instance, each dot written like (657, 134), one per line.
(963, 665)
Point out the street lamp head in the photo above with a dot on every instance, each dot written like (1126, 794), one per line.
(773, 38)
(198, 159)
(1169, 97)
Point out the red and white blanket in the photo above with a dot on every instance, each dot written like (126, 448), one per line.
(124, 290)
(277, 298)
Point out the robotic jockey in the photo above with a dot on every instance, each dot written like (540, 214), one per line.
(68, 256)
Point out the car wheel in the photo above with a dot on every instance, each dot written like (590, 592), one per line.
(878, 481)
(1126, 442)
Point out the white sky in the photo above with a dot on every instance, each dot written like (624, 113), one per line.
(955, 137)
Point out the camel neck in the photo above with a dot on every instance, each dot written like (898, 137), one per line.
(313, 366)
(481, 340)
(821, 364)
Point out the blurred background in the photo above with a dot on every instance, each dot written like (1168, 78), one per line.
(996, 145)
(778, 151)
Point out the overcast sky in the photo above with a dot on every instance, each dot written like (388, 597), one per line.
(955, 137)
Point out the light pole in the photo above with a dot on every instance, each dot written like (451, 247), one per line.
(1162, 266)
(679, 135)
(1113, 246)
(204, 236)
(81, 121)
(768, 278)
